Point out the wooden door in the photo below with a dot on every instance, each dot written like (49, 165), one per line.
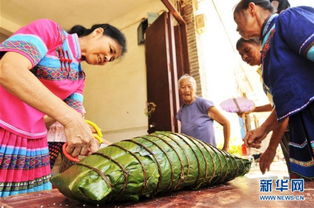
(164, 63)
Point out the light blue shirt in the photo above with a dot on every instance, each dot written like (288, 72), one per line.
(195, 121)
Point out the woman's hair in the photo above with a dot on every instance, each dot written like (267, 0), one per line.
(244, 4)
(283, 4)
(109, 30)
(241, 41)
(190, 78)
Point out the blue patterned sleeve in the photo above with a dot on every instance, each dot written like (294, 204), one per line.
(33, 41)
(296, 26)
(75, 101)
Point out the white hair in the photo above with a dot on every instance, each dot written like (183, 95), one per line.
(190, 78)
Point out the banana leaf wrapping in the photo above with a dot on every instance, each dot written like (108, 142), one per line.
(148, 165)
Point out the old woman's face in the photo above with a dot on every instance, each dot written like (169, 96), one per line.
(187, 91)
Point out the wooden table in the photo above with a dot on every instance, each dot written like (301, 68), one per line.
(241, 192)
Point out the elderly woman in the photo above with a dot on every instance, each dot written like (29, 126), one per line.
(288, 63)
(41, 73)
(197, 114)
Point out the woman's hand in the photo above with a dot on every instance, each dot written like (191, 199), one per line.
(18, 80)
(255, 137)
(79, 136)
(266, 159)
(268, 156)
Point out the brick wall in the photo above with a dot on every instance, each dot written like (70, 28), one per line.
(187, 12)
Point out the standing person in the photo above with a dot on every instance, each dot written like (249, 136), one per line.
(197, 114)
(249, 51)
(288, 63)
(40, 73)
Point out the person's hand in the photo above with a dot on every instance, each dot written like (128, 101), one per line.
(254, 137)
(266, 159)
(241, 114)
(79, 136)
(94, 146)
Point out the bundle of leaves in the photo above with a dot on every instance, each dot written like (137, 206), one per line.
(148, 165)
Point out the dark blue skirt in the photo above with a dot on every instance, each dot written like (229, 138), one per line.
(301, 145)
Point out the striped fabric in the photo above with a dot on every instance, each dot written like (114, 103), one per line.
(54, 149)
(24, 164)
(75, 101)
(301, 147)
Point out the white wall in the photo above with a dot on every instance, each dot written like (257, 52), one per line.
(115, 95)
(7, 27)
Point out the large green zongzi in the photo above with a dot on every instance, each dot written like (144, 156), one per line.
(147, 165)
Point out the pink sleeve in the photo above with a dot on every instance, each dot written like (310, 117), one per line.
(34, 40)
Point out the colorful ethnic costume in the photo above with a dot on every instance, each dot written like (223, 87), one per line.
(284, 142)
(55, 56)
(288, 71)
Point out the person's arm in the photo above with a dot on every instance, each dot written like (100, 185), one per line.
(254, 138)
(257, 109)
(48, 121)
(263, 108)
(18, 80)
(268, 156)
(217, 116)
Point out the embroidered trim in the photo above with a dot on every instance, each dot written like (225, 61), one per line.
(298, 145)
(41, 134)
(267, 24)
(49, 73)
(20, 162)
(12, 150)
(297, 109)
(305, 43)
(301, 163)
(77, 105)
(26, 47)
(17, 186)
(266, 46)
